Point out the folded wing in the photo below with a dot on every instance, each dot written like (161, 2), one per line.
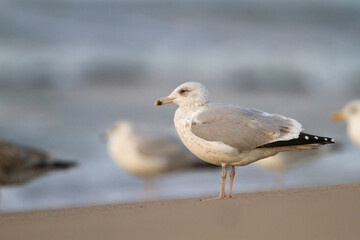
(243, 128)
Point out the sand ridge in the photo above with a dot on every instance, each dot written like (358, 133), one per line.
(331, 212)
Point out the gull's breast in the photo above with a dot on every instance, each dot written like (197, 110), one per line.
(354, 130)
(213, 152)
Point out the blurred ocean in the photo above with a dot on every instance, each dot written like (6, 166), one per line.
(69, 69)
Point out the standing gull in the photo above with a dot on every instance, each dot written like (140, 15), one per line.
(19, 164)
(351, 114)
(148, 157)
(224, 134)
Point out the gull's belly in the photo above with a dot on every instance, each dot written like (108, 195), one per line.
(125, 155)
(216, 153)
(213, 152)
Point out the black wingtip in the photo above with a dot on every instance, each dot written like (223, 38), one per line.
(320, 140)
(61, 164)
(303, 139)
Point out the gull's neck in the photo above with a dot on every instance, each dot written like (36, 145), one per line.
(191, 108)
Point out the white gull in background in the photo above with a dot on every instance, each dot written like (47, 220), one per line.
(351, 115)
(224, 134)
(283, 162)
(148, 157)
(20, 164)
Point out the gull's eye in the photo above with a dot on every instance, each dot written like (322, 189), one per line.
(183, 91)
(353, 110)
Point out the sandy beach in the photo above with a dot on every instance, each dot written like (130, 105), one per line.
(331, 212)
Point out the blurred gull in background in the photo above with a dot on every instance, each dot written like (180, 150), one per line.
(148, 157)
(19, 164)
(283, 162)
(351, 114)
(224, 134)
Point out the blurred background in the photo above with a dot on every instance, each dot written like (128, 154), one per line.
(70, 68)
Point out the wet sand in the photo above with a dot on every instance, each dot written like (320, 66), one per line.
(331, 212)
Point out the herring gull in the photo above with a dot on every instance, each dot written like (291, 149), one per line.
(351, 114)
(148, 157)
(19, 164)
(225, 134)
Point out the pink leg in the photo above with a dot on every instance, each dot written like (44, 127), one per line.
(222, 191)
(231, 175)
(148, 189)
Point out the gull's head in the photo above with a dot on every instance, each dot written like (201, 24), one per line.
(350, 112)
(186, 95)
(121, 129)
